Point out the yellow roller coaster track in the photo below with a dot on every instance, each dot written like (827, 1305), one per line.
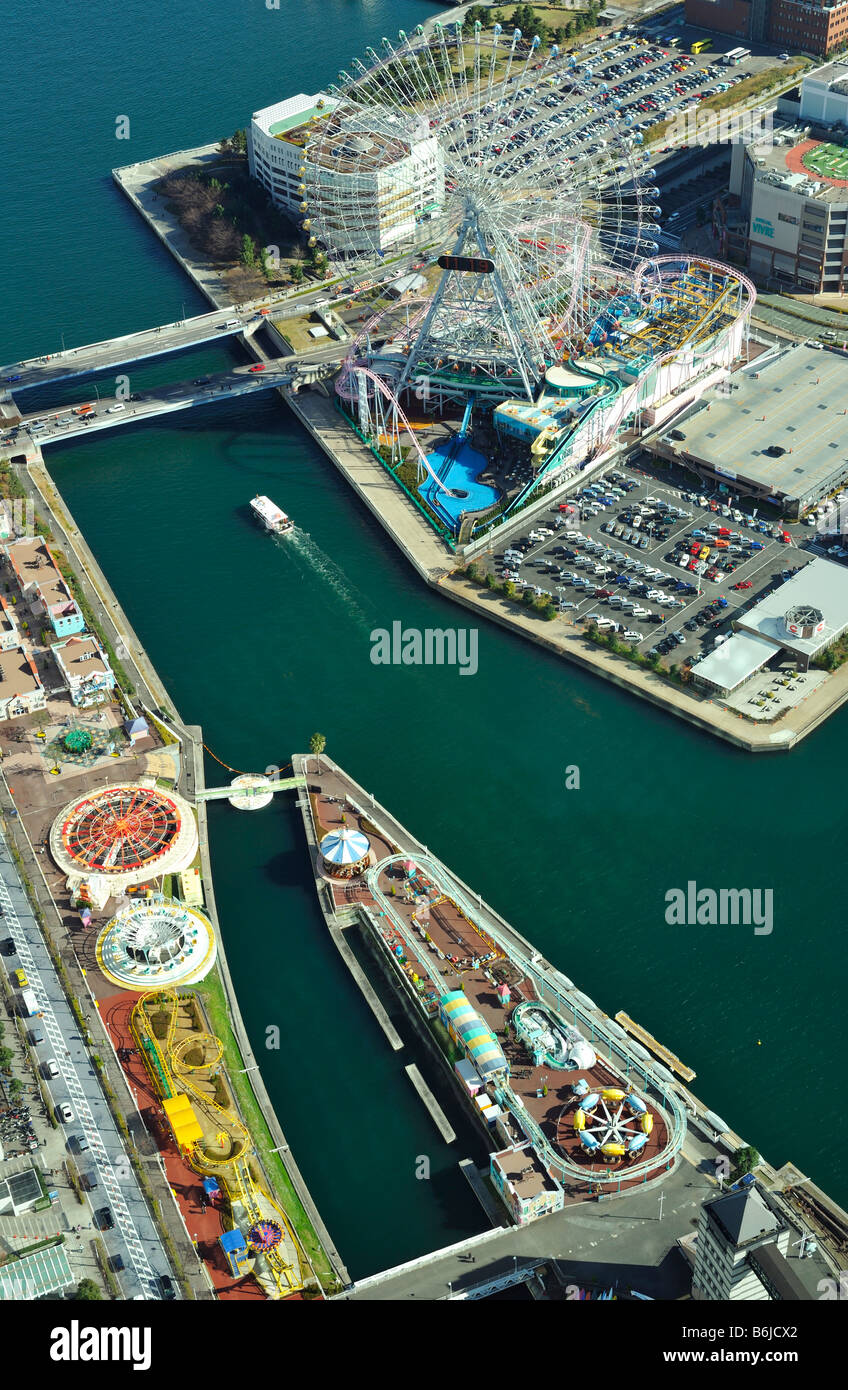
(176, 1073)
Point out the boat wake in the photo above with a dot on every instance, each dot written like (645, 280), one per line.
(304, 549)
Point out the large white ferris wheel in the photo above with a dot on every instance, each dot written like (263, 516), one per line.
(510, 163)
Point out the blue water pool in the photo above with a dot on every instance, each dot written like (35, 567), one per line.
(458, 466)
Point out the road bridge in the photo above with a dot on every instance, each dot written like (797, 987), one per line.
(107, 412)
(130, 347)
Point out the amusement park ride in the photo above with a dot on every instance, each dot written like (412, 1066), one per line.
(184, 1070)
(537, 259)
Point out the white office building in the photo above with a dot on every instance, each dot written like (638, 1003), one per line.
(353, 183)
(824, 96)
(275, 146)
(733, 1231)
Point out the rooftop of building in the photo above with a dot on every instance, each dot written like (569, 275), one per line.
(286, 116)
(524, 1171)
(18, 675)
(784, 167)
(81, 657)
(736, 659)
(831, 74)
(742, 1216)
(822, 586)
(34, 564)
(794, 403)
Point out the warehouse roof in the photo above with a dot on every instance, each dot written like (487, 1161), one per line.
(820, 585)
(734, 661)
(791, 405)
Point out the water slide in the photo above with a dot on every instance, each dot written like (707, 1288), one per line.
(466, 419)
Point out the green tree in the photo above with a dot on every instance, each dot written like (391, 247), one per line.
(745, 1160)
(296, 273)
(248, 251)
(6, 1055)
(87, 1291)
(317, 744)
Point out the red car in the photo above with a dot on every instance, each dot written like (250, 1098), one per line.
(743, 584)
(259, 367)
(695, 549)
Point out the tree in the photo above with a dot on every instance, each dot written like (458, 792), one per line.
(248, 251)
(317, 744)
(6, 1055)
(88, 1291)
(745, 1160)
(296, 273)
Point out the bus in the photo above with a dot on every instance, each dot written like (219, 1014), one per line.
(700, 45)
(736, 56)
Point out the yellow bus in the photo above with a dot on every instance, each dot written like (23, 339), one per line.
(700, 45)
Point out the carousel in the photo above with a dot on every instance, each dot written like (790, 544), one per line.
(345, 853)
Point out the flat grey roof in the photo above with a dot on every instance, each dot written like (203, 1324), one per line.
(795, 401)
(822, 585)
(734, 661)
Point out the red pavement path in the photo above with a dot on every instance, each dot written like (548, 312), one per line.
(204, 1228)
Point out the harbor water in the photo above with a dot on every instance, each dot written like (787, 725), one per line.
(264, 640)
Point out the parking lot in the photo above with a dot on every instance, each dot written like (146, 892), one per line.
(626, 84)
(631, 580)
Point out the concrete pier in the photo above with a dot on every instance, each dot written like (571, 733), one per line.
(392, 1036)
(436, 1112)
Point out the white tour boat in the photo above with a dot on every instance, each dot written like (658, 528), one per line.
(271, 516)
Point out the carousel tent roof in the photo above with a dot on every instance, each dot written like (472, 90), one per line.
(344, 846)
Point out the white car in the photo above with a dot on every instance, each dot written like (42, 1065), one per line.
(66, 1114)
(632, 636)
(113, 409)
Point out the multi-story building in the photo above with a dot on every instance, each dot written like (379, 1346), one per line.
(824, 96)
(21, 691)
(84, 669)
(807, 26)
(794, 227)
(741, 1249)
(42, 585)
(9, 636)
(355, 190)
(525, 1186)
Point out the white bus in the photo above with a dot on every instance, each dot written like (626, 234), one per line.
(736, 56)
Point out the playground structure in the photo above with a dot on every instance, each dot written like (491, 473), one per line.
(156, 939)
(185, 1066)
(121, 836)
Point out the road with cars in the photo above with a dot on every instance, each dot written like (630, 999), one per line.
(116, 1206)
(591, 573)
